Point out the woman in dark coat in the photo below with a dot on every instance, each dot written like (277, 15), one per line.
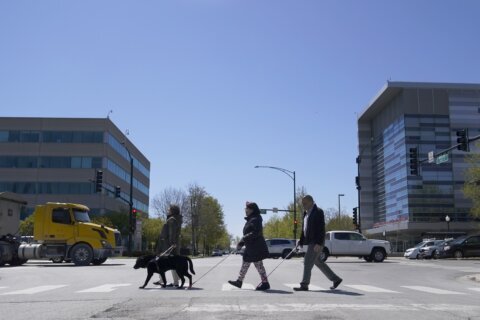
(255, 247)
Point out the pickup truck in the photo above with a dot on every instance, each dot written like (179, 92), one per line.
(354, 244)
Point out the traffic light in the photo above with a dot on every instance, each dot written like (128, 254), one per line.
(354, 217)
(462, 140)
(117, 191)
(98, 181)
(414, 161)
(357, 182)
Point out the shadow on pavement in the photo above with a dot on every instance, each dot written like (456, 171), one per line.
(340, 292)
(173, 289)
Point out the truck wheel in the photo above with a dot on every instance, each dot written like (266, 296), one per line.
(82, 255)
(378, 255)
(285, 253)
(324, 255)
(57, 260)
(97, 262)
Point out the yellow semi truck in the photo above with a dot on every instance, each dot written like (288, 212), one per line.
(64, 232)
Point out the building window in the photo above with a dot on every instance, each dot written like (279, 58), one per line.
(73, 137)
(19, 136)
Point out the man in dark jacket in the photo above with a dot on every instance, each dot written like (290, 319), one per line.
(313, 235)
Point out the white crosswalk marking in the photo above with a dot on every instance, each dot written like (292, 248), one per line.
(245, 286)
(105, 288)
(370, 289)
(474, 289)
(34, 290)
(3, 288)
(432, 290)
(311, 287)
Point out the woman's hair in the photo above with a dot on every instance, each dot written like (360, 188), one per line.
(174, 209)
(253, 206)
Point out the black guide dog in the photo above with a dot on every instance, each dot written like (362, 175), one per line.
(155, 264)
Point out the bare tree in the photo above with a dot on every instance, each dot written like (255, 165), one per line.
(170, 196)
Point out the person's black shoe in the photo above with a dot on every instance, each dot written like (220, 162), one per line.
(301, 288)
(236, 283)
(336, 284)
(263, 286)
(158, 283)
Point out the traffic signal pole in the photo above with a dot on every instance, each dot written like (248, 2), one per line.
(130, 212)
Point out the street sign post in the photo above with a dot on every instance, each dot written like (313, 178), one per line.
(431, 157)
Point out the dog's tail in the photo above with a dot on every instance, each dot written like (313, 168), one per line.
(190, 263)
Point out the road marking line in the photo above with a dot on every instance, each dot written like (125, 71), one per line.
(34, 290)
(432, 290)
(105, 288)
(311, 287)
(304, 307)
(229, 287)
(370, 289)
(3, 288)
(474, 289)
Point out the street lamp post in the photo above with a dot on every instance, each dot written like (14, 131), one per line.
(340, 195)
(130, 203)
(447, 220)
(292, 176)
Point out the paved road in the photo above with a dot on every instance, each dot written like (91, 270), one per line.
(395, 289)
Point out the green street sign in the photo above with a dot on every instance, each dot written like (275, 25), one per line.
(442, 158)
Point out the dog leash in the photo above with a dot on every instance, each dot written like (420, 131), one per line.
(283, 260)
(214, 267)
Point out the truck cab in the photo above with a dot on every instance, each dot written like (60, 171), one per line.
(63, 231)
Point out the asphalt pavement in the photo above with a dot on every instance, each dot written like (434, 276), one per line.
(395, 289)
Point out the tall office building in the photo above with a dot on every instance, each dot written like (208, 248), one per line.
(425, 116)
(55, 159)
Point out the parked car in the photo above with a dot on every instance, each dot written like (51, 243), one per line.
(431, 250)
(466, 246)
(414, 253)
(217, 253)
(280, 247)
(354, 244)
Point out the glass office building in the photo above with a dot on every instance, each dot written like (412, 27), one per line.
(424, 116)
(55, 159)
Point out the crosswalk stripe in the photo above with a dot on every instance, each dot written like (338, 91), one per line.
(3, 288)
(245, 286)
(370, 289)
(432, 290)
(34, 290)
(311, 287)
(105, 288)
(474, 289)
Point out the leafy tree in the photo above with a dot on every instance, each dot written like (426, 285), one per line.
(471, 188)
(26, 226)
(340, 223)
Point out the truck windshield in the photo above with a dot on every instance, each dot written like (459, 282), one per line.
(81, 216)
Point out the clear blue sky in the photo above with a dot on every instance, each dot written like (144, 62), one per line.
(209, 89)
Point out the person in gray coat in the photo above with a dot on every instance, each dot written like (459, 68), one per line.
(170, 237)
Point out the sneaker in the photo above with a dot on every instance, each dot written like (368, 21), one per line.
(236, 283)
(263, 286)
(158, 283)
(302, 287)
(336, 284)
